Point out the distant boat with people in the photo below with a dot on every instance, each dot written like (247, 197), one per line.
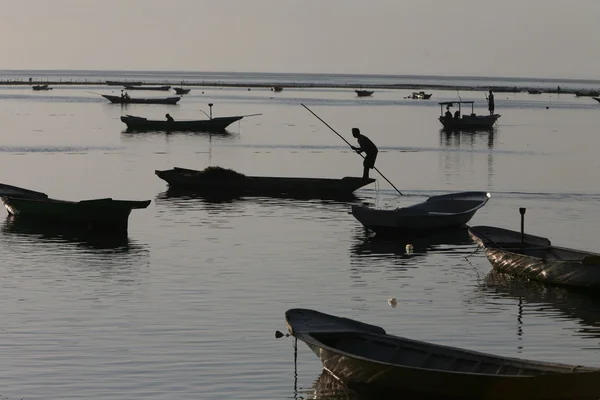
(465, 121)
(420, 95)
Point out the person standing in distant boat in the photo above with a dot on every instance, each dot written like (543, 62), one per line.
(169, 118)
(490, 100)
(369, 148)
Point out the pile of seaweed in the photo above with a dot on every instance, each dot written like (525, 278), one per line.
(221, 173)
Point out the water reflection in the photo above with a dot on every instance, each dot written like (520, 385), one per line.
(580, 307)
(474, 139)
(327, 387)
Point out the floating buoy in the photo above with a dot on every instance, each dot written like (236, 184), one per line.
(392, 302)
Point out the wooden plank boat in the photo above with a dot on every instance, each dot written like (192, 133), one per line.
(41, 87)
(534, 257)
(96, 214)
(436, 213)
(217, 180)
(136, 87)
(367, 359)
(364, 93)
(140, 124)
(122, 83)
(181, 90)
(466, 121)
(148, 100)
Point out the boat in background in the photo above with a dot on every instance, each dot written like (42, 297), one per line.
(158, 88)
(364, 93)
(123, 83)
(534, 91)
(222, 181)
(140, 124)
(181, 90)
(465, 121)
(420, 95)
(138, 100)
(95, 215)
(591, 93)
(41, 87)
(534, 257)
(367, 359)
(277, 88)
(436, 213)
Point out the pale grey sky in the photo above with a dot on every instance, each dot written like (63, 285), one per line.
(528, 38)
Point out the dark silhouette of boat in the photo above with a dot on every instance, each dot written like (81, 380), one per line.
(41, 87)
(277, 88)
(181, 90)
(368, 359)
(122, 83)
(420, 95)
(135, 87)
(141, 100)
(141, 124)
(534, 91)
(94, 214)
(591, 93)
(466, 121)
(364, 93)
(217, 180)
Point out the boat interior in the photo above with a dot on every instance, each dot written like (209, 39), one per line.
(415, 354)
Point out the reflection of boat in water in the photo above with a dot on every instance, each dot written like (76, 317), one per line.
(581, 307)
(368, 359)
(418, 243)
(61, 233)
(326, 387)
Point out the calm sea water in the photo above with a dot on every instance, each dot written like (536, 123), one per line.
(188, 305)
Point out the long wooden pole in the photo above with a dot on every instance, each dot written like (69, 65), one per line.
(348, 143)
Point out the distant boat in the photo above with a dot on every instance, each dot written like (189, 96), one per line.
(133, 100)
(181, 90)
(436, 213)
(206, 125)
(277, 88)
(421, 95)
(534, 91)
(123, 83)
(95, 214)
(220, 181)
(160, 88)
(379, 365)
(466, 121)
(591, 93)
(41, 87)
(364, 93)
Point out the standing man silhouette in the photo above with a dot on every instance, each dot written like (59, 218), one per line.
(366, 145)
(491, 102)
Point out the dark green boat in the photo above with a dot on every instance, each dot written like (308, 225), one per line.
(94, 214)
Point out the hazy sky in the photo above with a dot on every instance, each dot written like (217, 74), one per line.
(528, 38)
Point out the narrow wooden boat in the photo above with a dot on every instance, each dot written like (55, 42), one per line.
(41, 87)
(181, 90)
(436, 213)
(534, 257)
(140, 124)
(133, 100)
(367, 359)
(466, 121)
(217, 180)
(96, 214)
(122, 83)
(135, 87)
(364, 93)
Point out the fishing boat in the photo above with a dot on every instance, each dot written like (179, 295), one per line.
(140, 124)
(367, 359)
(217, 180)
(95, 214)
(147, 100)
(135, 87)
(181, 90)
(41, 87)
(465, 121)
(420, 95)
(364, 93)
(436, 213)
(534, 257)
(277, 88)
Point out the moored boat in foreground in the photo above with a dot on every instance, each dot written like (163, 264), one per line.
(95, 214)
(534, 257)
(207, 125)
(217, 180)
(437, 212)
(141, 100)
(465, 121)
(365, 358)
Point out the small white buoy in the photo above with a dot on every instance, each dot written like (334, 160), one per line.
(409, 248)
(392, 302)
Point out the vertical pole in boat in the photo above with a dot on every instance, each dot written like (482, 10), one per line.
(210, 106)
(522, 212)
